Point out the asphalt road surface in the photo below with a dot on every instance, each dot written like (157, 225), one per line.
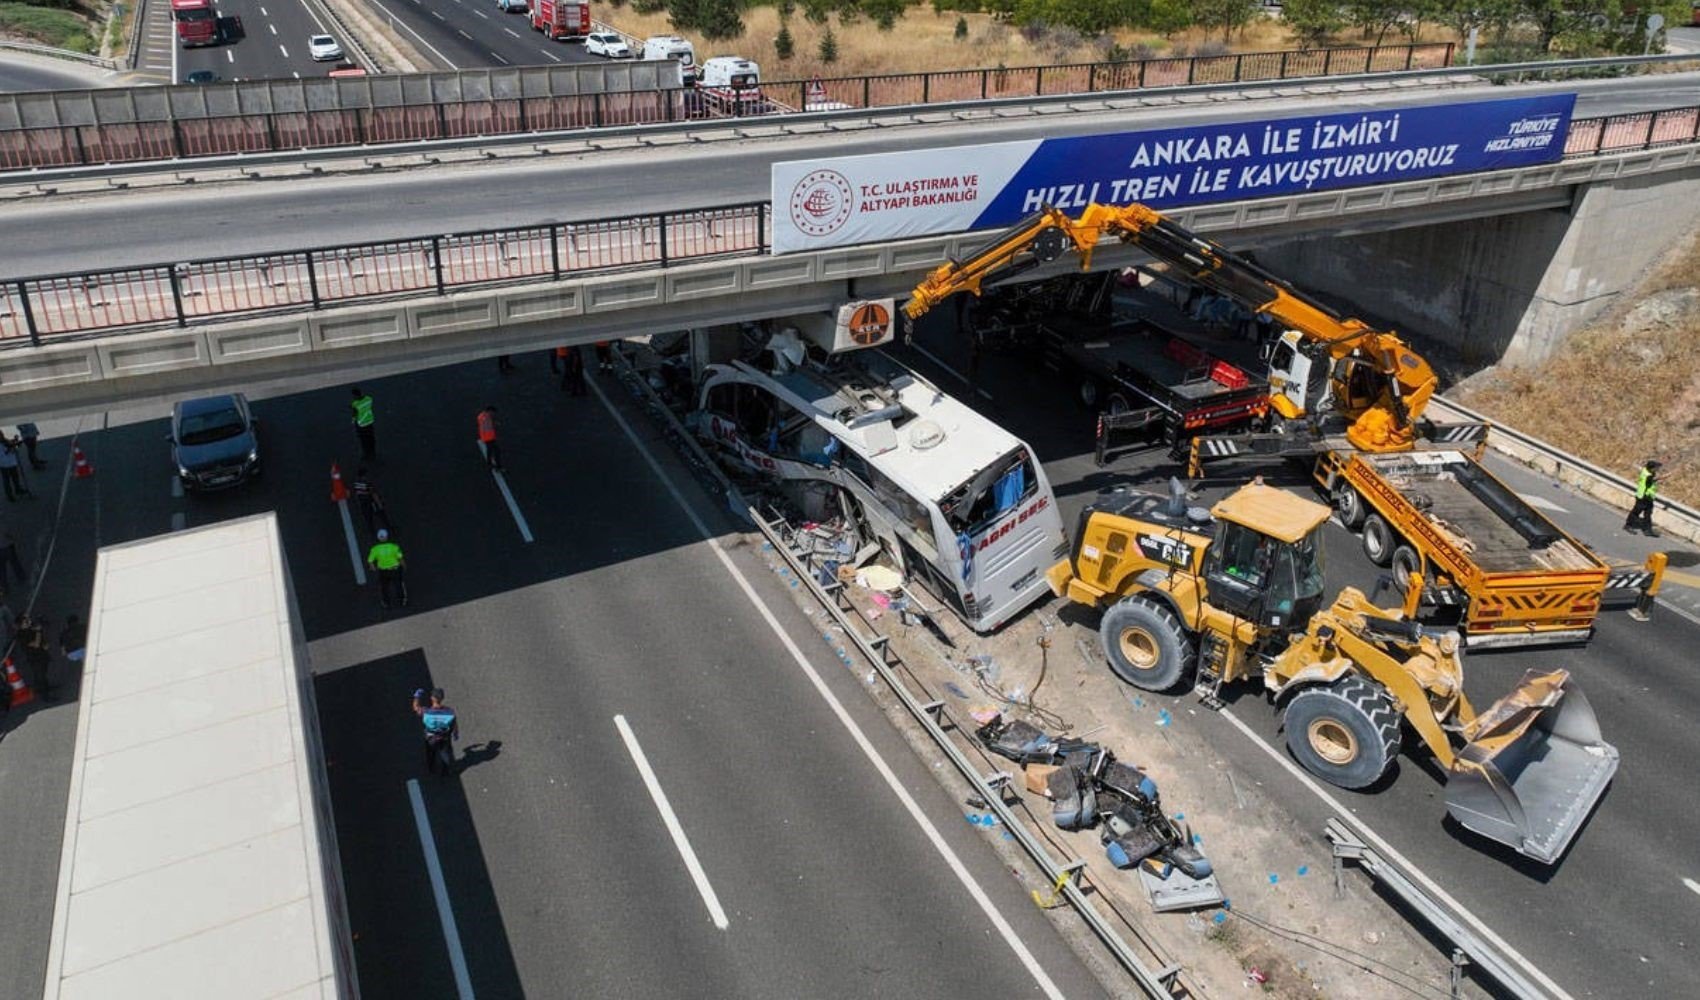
(271, 43)
(833, 857)
(464, 34)
(1619, 915)
(115, 230)
(20, 73)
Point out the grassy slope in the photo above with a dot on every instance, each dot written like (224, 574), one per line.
(58, 28)
(1625, 389)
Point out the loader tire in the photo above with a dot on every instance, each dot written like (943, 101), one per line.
(1350, 503)
(1146, 644)
(1346, 733)
(1378, 540)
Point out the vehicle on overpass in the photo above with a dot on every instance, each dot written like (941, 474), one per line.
(561, 20)
(951, 498)
(1473, 549)
(1236, 594)
(200, 855)
(730, 85)
(323, 48)
(607, 44)
(673, 47)
(197, 23)
(215, 442)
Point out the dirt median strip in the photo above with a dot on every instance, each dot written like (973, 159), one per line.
(396, 54)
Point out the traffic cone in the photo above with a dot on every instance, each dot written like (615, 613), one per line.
(339, 492)
(81, 467)
(21, 693)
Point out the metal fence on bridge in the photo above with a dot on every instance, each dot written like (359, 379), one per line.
(84, 128)
(36, 309)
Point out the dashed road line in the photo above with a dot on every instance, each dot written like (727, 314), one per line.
(508, 495)
(1693, 885)
(551, 55)
(952, 860)
(353, 546)
(511, 32)
(463, 34)
(445, 913)
(273, 28)
(285, 51)
(416, 37)
(482, 14)
(671, 820)
(229, 56)
(498, 58)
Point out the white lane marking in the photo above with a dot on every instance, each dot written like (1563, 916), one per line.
(434, 868)
(263, 12)
(463, 34)
(273, 28)
(482, 14)
(353, 546)
(507, 494)
(511, 32)
(438, 16)
(229, 56)
(176, 488)
(315, 17)
(935, 359)
(1542, 503)
(285, 51)
(1387, 851)
(498, 58)
(404, 25)
(1692, 885)
(179, 520)
(296, 74)
(551, 55)
(671, 820)
(952, 860)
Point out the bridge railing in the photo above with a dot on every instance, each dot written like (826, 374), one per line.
(35, 309)
(228, 118)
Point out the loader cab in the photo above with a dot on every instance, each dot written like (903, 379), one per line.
(1265, 563)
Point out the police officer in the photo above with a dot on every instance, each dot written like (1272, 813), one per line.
(365, 422)
(1646, 491)
(391, 566)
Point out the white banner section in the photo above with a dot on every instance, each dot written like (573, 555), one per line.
(888, 196)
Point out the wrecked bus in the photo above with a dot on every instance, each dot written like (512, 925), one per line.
(952, 498)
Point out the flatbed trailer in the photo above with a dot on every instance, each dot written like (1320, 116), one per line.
(1515, 577)
(1150, 382)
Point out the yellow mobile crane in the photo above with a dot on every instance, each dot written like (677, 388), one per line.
(1421, 505)
(1379, 385)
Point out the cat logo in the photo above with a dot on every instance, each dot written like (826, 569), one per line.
(869, 324)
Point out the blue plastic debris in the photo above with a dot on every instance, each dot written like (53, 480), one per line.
(1274, 878)
(1163, 717)
(953, 689)
(1179, 817)
(1196, 839)
(1304, 869)
(1220, 917)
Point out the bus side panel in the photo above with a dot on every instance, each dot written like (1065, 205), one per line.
(1008, 564)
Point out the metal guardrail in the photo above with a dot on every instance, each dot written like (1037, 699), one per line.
(1065, 877)
(138, 19)
(33, 309)
(1468, 947)
(246, 130)
(47, 50)
(1602, 484)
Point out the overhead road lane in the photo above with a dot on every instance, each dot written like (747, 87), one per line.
(480, 33)
(55, 235)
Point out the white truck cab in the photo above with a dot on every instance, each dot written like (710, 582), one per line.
(672, 47)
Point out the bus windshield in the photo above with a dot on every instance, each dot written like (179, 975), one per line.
(993, 491)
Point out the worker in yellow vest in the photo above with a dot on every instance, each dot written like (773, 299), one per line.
(1646, 491)
(365, 424)
(386, 558)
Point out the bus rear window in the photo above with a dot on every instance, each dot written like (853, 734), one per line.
(992, 492)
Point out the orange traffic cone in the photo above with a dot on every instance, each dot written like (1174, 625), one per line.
(339, 492)
(21, 693)
(81, 467)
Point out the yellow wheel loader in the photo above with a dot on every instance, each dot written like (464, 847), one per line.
(1236, 592)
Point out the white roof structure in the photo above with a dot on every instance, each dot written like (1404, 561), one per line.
(197, 859)
(912, 453)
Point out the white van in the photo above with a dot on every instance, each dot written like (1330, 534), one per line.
(731, 79)
(672, 47)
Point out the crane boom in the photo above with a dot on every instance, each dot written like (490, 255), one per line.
(1383, 417)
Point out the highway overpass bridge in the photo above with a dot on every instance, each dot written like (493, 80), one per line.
(624, 237)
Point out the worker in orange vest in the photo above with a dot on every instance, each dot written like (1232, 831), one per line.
(604, 355)
(487, 437)
(571, 366)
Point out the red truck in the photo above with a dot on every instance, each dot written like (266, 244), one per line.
(197, 23)
(558, 19)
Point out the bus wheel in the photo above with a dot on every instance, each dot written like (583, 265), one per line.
(1146, 644)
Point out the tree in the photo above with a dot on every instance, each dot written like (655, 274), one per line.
(961, 31)
(817, 11)
(1089, 17)
(885, 12)
(1313, 21)
(1374, 17)
(1224, 14)
(829, 47)
(1165, 17)
(784, 46)
(719, 20)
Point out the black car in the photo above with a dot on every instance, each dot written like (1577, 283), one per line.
(215, 442)
(201, 76)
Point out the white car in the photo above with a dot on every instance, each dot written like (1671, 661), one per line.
(323, 48)
(607, 44)
(513, 6)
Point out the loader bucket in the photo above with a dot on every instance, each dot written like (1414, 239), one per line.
(1533, 767)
